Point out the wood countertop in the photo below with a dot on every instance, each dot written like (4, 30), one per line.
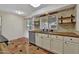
(69, 34)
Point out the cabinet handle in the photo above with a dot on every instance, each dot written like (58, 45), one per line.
(56, 36)
(66, 42)
(70, 39)
(41, 37)
(47, 36)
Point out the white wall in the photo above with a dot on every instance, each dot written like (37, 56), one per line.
(12, 26)
(66, 27)
(77, 17)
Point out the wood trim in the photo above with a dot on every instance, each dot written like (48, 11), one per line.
(67, 17)
(51, 13)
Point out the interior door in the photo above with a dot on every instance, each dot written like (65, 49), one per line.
(71, 48)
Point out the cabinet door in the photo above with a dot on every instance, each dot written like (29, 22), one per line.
(71, 48)
(53, 23)
(46, 42)
(57, 44)
(72, 39)
(38, 39)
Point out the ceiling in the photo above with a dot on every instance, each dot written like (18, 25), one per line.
(11, 8)
(26, 8)
(51, 8)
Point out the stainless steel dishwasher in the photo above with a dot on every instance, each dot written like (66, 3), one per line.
(31, 37)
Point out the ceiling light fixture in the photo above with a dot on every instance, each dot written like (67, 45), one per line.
(35, 5)
(19, 12)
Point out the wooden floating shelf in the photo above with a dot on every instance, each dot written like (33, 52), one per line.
(68, 23)
(66, 18)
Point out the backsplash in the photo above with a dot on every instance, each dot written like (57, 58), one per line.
(66, 27)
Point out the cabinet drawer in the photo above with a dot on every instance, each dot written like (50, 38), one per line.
(52, 36)
(71, 39)
(39, 35)
(59, 37)
(42, 35)
(75, 40)
(67, 38)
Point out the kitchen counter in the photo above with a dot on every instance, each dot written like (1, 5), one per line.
(69, 34)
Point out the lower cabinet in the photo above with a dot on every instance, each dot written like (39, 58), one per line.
(46, 43)
(71, 48)
(43, 41)
(57, 44)
(38, 39)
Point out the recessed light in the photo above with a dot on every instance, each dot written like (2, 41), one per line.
(19, 12)
(35, 5)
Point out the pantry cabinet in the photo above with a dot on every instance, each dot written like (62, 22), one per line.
(57, 44)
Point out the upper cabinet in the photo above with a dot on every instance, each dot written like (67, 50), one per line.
(44, 22)
(53, 22)
(30, 24)
(49, 22)
(37, 23)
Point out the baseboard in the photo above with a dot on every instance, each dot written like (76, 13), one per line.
(19, 38)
